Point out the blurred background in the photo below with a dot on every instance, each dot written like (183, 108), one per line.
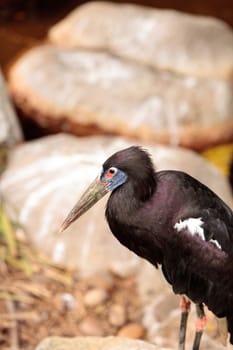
(56, 129)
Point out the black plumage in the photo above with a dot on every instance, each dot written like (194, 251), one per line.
(170, 219)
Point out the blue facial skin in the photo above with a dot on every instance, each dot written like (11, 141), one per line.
(115, 181)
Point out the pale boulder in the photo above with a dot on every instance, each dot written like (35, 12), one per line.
(160, 38)
(84, 93)
(46, 177)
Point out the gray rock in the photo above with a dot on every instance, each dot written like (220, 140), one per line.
(10, 131)
(45, 178)
(163, 39)
(95, 343)
(64, 90)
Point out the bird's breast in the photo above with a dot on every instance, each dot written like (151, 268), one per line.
(143, 242)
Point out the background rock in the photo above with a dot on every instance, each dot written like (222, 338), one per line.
(46, 177)
(158, 38)
(95, 343)
(10, 131)
(63, 90)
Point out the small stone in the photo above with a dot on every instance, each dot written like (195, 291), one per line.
(101, 280)
(132, 330)
(91, 326)
(95, 297)
(117, 315)
(68, 300)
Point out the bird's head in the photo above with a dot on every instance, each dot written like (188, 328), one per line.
(131, 164)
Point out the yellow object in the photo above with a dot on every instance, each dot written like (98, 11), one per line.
(6, 230)
(220, 156)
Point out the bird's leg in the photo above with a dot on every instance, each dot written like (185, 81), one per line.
(200, 325)
(185, 308)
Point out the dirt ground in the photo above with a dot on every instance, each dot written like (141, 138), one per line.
(42, 299)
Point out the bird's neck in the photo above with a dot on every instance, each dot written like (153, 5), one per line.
(124, 217)
(123, 203)
(144, 187)
(127, 199)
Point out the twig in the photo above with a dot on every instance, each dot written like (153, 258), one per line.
(14, 339)
(20, 316)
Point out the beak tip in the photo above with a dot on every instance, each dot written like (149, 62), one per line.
(63, 227)
(94, 192)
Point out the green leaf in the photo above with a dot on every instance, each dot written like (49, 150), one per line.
(7, 232)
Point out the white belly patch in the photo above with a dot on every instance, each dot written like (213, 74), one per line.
(194, 226)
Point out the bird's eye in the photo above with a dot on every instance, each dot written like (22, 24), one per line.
(111, 172)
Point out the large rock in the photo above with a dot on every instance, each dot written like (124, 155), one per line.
(46, 177)
(95, 343)
(87, 92)
(10, 132)
(163, 39)
(43, 181)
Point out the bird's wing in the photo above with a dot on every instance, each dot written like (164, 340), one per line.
(206, 215)
(218, 229)
(211, 227)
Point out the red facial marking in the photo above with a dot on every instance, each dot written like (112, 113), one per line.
(109, 174)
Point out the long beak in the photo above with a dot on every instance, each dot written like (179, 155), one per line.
(93, 194)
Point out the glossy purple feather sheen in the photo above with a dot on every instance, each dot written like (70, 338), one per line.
(142, 214)
(151, 212)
